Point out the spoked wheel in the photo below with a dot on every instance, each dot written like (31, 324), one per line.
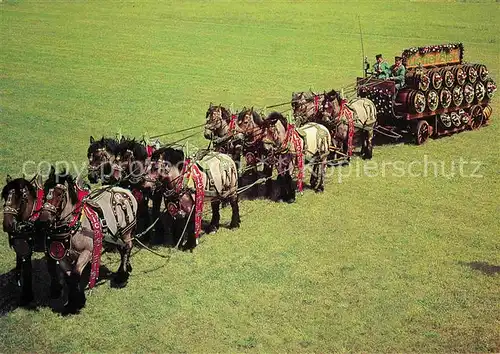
(476, 117)
(422, 132)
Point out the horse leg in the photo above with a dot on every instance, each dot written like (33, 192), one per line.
(322, 172)
(368, 152)
(27, 289)
(159, 229)
(314, 174)
(123, 272)
(55, 285)
(235, 217)
(290, 190)
(214, 223)
(268, 172)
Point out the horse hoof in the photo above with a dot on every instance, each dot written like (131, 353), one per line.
(235, 225)
(129, 268)
(120, 280)
(320, 190)
(291, 201)
(212, 229)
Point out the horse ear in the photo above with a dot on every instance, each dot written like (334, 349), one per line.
(92, 139)
(211, 105)
(52, 172)
(8, 179)
(251, 110)
(122, 139)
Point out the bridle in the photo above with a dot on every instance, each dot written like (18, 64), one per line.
(51, 208)
(9, 209)
(105, 157)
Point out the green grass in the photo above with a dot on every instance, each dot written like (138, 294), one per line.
(377, 263)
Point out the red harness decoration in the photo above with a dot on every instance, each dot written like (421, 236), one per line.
(316, 103)
(77, 211)
(232, 123)
(292, 136)
(150, 149)
(95, 223)
(137, 194)
(191, 170)
(345, 111)
(37, 207)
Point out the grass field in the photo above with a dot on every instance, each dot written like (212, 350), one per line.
(382, 261)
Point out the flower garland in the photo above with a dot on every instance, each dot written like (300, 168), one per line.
(433, 48)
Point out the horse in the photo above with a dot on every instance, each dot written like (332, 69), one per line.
(350, 123)
(287, 147)
(306, 106)
(187, 184)
(220, 128)
(101, 155)
(23, 200)
(76, 223)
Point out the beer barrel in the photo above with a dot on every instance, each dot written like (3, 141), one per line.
(491, 87)
(448, 77)
(436, 79)
(468, 93)
(445, 98)
(445, 120)
(487, 112)
(432, 100)
(417, 80)
(464, 116)
(460, 74)
(471, 74)
(479, 91)
(482, 71)
(456, 119)
(457, 95)
(409, 100)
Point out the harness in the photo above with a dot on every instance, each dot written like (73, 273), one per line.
(346, 114)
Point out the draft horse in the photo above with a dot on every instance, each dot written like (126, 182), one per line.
(76, 222)
(306, 107)
(287, 148)
(23, 201)
(187, 184)
(350, 123)
(220, 128)
(101, 155)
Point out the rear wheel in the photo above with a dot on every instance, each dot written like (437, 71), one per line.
(422, 132)
(476, 117)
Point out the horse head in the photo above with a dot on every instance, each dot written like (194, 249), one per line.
(19, 197)
(331, 104)
(249, 125)
(60, 197)
(165, 168)
(101, 154)
(217, 122)
(274, 131)
(130, 162)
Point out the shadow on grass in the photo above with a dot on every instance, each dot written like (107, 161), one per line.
(10, 292)
(483, 267)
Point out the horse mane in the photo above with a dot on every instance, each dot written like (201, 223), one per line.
(138, 149)
(174, 156)
(62, 178)
(333, 95)
(226, 115)
(274, 117)
(18, 185)
(109, 144)
(255, 116)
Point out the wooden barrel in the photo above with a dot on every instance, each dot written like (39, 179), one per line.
(491, 87)
(432, 99)
(479, 91)
(457, 95)
(445, 120)
(445, 97)
(410, 100)
(487, 112)
(482, 71)
(448, 76)
(456, 119)
(436, 79)
(417, 80)
(460, 74)
(471, 74)
(469, 93)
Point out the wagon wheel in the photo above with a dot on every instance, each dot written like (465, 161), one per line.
(476, 117)
(422, 132)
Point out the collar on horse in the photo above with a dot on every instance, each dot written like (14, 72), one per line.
(346, 113)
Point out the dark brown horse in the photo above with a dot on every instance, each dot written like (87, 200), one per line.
(188, 184)
(101, 155)
(350, 123)
(23, 201)
(76, 223)
(306, 107)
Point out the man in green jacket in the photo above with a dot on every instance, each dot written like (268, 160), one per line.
(381, 68)
(398, 73)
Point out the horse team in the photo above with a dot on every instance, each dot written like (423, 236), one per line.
(71, 223)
